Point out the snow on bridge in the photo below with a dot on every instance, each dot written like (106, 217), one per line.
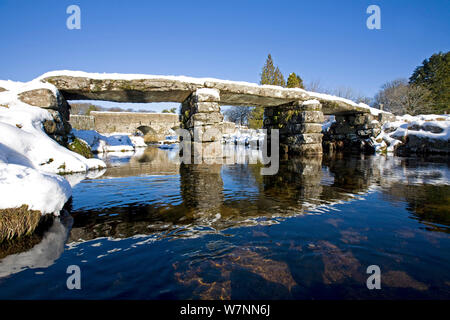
(78, 85)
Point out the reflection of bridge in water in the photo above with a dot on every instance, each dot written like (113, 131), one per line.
(215, 198)
(223, 196)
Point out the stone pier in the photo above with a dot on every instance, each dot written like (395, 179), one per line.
(353, 132)
(200, 114)
(299, 124)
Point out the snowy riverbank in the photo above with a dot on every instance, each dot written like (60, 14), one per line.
(109, 142)
(30, 160)
(120, 142)
(415, 134)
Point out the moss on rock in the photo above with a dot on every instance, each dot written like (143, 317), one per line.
(80, 147)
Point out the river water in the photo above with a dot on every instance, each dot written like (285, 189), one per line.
(150, 228)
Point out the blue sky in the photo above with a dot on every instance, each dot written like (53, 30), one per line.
(319, 40)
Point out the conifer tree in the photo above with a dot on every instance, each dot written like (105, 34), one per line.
(294, 81)
(434, 75)
(270, 75)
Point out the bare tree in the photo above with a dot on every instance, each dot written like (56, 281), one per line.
(351, 94)
(316, 86)
(238, 115)
(345, 92)
(400, 97)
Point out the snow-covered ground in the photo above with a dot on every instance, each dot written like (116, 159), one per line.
(428, 127)
(29, 159)
(120, 142)
(109, 142)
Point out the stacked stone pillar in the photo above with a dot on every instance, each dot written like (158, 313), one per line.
(354, 132)
(299, 124)
(200, 114)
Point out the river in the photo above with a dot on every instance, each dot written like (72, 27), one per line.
(149, 227)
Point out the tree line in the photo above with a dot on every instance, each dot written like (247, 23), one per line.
(426, 91)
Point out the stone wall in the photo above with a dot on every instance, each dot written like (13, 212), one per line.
(155, 126)
(352, 132)
(109, 122)
(80, 122)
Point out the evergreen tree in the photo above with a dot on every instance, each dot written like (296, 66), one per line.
(268, 71)
(270, 75)
(294, 81)
(434, 75)
(279, 79)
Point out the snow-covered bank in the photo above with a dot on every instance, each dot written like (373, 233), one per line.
(120, 142)
(109, 142)
(422, 133)
(29, 159)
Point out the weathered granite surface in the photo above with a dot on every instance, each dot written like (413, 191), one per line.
(118, 88)
(299, 125)
(59, 127)
(352, 132)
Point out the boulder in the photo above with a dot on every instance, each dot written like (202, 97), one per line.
(421, 144)
(432, 128)
(43, 98)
